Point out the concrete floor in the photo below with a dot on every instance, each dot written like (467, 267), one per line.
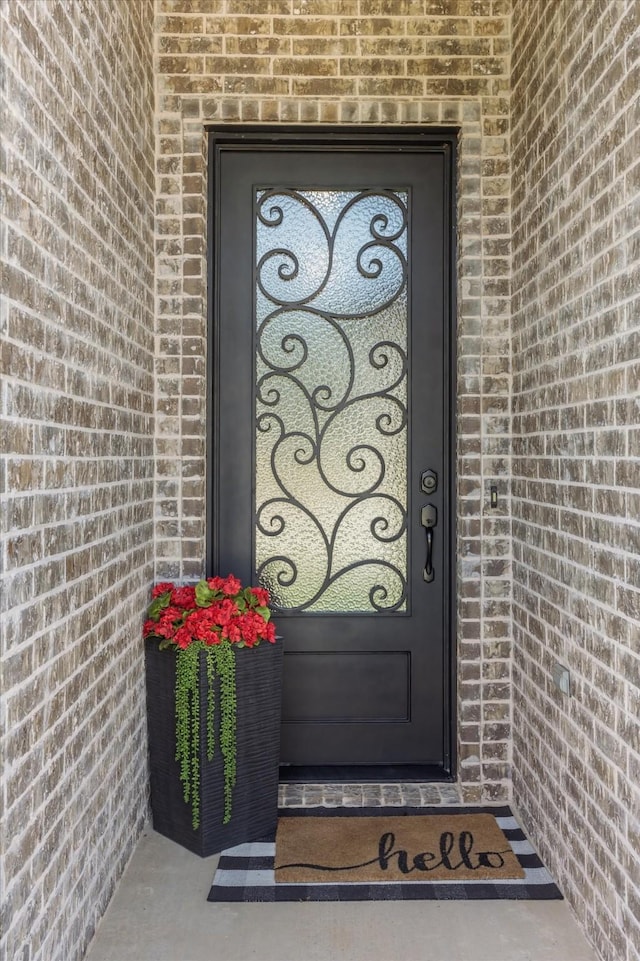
(160, 913)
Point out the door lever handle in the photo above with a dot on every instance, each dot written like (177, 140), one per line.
(429, 519)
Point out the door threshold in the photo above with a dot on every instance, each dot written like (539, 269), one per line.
(363, 774)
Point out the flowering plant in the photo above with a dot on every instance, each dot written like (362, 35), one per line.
(210, 612)
(216, 616)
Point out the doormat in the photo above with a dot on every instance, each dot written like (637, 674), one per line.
(376, 854)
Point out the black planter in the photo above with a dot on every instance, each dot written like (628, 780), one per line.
(255, 796)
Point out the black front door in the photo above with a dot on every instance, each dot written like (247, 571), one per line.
(331, 476)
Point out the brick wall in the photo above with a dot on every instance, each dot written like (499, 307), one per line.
(350, 61)
(576, 466)
(76, 180)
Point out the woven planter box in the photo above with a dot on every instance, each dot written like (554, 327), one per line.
(255, 796)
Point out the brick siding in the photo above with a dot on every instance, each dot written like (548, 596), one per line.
(77, 310)
(441, 62)
(576, 455)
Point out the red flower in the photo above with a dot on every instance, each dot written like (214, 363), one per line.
(200, 624)
(184, 597)
(164, 628)
(252, 625)
(261, 595)
(183, 638)
(171, 614)
(215, 583)
(223, 611)
(161, 589)
(232, 631)
(231, 585)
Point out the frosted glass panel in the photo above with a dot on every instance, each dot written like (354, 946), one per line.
(331, 399)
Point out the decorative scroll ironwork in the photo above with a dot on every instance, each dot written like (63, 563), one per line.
(331, 399)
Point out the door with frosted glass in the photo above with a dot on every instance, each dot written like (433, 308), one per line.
(331, 472)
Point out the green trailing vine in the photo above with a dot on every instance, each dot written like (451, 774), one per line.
(187, 708)
(211, 706)
(226, 669)
(220, 664)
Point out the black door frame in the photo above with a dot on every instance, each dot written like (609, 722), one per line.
(356, 138)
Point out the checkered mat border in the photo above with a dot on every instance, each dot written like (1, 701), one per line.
(245, 872)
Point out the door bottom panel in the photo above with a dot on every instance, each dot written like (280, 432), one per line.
(345, 686)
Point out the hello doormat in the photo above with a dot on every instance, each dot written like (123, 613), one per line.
(461, 847)
(356, 854)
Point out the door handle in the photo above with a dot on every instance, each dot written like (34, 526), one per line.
(429, 519)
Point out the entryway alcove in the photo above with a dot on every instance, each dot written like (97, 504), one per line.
(105, 238)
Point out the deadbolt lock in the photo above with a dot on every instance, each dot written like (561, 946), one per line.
(428, 482)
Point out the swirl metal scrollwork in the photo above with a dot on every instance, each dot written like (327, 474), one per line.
(331, 399)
